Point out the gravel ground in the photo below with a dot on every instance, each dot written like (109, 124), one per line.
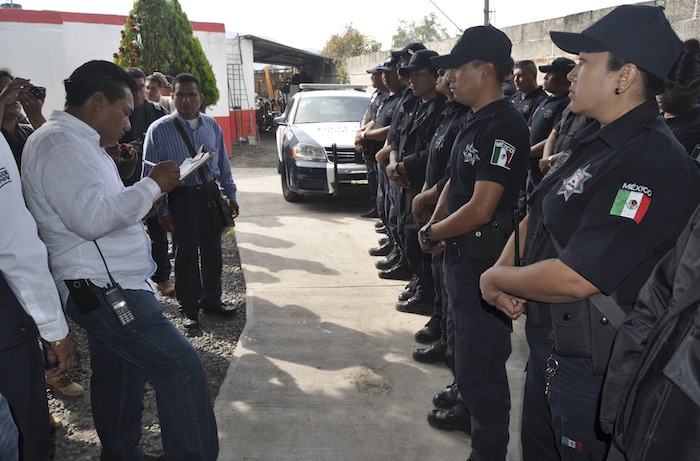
(77, 439)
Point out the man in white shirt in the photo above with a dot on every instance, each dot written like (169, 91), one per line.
(29, 307)
(91, 225)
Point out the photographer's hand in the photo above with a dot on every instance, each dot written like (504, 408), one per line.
(32, 106)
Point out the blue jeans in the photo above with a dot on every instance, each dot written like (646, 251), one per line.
(565, 427)
(150, 349)
(9, 435)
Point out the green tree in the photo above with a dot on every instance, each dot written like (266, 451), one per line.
(427, 30)
(157, 36)
(349, 42)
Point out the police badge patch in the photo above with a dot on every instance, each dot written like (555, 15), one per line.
(471, 154)
(574, 183)
(4, 177)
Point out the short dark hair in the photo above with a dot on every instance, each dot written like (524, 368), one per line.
(153, 78)
(5, 72)
(187, 78)
(526, 65)
(500, 69)
(135, 72)
(93, 76)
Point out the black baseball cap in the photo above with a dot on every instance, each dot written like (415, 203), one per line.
(389, 64)
(375, 69)
(485, 43)
(558, 65)
(408, 50)
(419, 60)
(636, 33)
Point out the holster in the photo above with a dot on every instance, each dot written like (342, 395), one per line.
(580, 330)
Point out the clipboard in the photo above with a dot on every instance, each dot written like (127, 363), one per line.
(192, 164)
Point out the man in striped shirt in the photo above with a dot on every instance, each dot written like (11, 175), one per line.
(185, 211)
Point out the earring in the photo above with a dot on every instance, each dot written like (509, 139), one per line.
(617, 91)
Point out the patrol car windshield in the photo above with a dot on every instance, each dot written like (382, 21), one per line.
(330, 109)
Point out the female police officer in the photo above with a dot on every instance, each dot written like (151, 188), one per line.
(598, 224)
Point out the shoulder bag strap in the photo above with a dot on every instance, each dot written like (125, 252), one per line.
(188, 143)
(605, 304)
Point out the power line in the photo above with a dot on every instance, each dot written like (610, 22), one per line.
(448, 18)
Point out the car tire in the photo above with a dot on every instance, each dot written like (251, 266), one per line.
(289, 194)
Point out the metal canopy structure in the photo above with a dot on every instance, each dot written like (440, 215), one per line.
(269, 52)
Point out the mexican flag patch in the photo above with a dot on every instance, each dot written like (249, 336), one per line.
(502, 154)
(630, 204)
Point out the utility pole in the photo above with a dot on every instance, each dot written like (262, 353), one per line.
(486, 12)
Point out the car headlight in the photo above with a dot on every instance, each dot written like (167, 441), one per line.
(309, 152)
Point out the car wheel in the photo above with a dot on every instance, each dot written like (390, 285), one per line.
(289, 194)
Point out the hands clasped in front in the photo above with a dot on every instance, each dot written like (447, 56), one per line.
(512, 306)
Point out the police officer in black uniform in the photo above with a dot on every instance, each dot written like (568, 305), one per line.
(379, 132)
(548, 113)
(408, 159)
(598, 224)
(529, 94)
(368, 148)
(474, 212)
(400, 270)
(436, 176)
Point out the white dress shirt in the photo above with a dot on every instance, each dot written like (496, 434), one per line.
(23, 257)
(73, 189)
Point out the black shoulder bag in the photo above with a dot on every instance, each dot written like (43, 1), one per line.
(219, 210)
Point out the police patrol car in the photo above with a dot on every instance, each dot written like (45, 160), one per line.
(316, 141)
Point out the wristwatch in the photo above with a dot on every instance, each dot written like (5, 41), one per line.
(550, 161)
(424, 234)
(362, 135)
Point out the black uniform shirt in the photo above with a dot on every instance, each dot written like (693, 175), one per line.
(375, 104)
(441, 144)
(493, 145)
(546, 116)
(403, 107)
(526, 104)
(617, 205)
(385, 112)
(686, 128)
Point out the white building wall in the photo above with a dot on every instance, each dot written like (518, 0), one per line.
(39, 54)
(47, 50)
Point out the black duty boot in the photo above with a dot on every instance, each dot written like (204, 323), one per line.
(382, 250)
(389, 260)
(410, 289)
(450, 420)
(433, 354)
(447, 398)
(399, 271)
(414, 305)
(430, 333)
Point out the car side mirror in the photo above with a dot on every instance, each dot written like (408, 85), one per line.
(281, 120)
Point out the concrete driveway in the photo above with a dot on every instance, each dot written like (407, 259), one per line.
(323, 369)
